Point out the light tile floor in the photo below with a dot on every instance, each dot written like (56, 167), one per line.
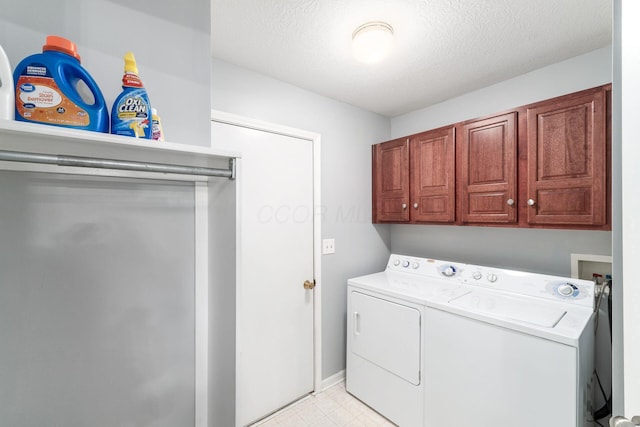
(333, 407)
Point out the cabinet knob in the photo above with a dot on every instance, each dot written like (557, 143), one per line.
(531, 202)
(510, 202)
(404, 206)
(415, 206)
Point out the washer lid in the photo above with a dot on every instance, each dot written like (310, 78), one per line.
(508, 307)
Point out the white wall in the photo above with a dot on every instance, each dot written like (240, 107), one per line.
(546, 251)
(347, 135)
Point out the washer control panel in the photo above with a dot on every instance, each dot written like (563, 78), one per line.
(566, 290)
(531, 284)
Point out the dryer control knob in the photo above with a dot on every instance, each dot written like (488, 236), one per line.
(405, 264)
(396, 262)
(449, 271)
(415, 265)
(492, 277)
(477, 275)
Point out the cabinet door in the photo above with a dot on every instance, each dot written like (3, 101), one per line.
(567, 157)
(432, 176)
(487, 179)
(391, 181)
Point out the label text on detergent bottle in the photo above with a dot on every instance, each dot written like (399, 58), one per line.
(34, 70)
(133, 115)
(133, 107)
(39, 99)
(131, 80)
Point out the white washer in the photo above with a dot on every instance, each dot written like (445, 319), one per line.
(435, 343)
(516, 350)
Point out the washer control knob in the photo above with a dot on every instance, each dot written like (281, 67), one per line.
(492, 277)
(477, 275)
(566, 289)
(396, 262)
(415, 265)
(405, 264)
(449, 271)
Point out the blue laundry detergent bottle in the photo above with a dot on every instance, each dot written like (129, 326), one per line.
(53, 88)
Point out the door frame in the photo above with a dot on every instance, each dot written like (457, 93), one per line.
(315, 139)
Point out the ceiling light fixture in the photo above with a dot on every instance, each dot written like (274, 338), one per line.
(372, 42)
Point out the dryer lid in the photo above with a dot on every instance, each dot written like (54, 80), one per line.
(509, 307)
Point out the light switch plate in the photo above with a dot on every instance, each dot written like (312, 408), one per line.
(328, 246)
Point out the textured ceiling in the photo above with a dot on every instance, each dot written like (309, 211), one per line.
(443, 48)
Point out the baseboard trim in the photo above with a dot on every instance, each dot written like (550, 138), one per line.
(332, 380)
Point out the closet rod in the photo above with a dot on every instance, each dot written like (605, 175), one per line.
(91, 162)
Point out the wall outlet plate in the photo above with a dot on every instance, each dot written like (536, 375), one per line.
(328, 246)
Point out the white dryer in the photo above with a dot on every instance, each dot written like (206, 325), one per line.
(385, 338)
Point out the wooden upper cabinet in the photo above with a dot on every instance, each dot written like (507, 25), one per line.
(432, 176)
(567, 161)
(543, 165)
(487, 178)
(391, 181)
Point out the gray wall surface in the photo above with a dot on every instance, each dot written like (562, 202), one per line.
(347, 135)
(544, 251)
(171, 44)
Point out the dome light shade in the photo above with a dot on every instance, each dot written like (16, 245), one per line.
(372, 42)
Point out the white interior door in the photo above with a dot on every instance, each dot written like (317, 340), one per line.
(275, 256)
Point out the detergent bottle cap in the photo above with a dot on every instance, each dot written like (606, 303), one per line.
(60, 44)
(130, 63)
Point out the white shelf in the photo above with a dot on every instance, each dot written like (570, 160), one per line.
(54, 140)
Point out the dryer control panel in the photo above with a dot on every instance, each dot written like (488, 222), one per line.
(425, 267)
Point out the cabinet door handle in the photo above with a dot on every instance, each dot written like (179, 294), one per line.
(531, 202)
(404, 206)
(510, 202)
(415, 206)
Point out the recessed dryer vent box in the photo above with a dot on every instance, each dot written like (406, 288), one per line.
(584, 266)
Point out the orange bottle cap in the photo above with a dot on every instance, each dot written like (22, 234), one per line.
(60, 44)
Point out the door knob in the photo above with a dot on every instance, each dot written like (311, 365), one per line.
(531, 202)
(415, 206)
(510, 202)
(624, 422)
(404, 206)
(309, 284)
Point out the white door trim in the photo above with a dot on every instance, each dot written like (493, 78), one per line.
(233, 119)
